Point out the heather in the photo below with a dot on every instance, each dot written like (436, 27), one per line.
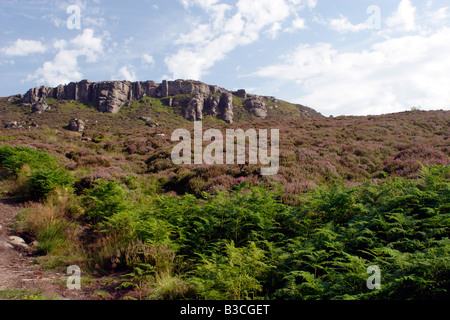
(351, 192)
(245, 243)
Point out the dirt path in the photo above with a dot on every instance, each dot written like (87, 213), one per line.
(19, 273)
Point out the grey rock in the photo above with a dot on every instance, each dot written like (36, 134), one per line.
(241, 93)
(146, 119)
(111, 96)
(40, 106)
(213, 105)
(12, 125)
(226, 105)
(177, 87)
(35, 94)
(257, 106)
(18, 242)
(76, 125)
(15, 125)
(194, 110)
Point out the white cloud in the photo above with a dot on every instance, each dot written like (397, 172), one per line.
(24, 48)
(229, 27)
(404, 19)
(342, 25)
(127, 73)
(391, 75)
(148, 59)
(274, 30)
(297, 24)
(64, 66)
(442, 15)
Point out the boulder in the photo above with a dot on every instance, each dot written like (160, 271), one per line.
(241, 93)
(18, 242)
(146, 119)
(12, 125)
(76, 125)
(15, 124)
(257, 106)
(40, 106)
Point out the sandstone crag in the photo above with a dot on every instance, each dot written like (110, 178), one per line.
(111, 96)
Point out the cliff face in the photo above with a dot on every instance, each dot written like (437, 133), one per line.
(111, 96)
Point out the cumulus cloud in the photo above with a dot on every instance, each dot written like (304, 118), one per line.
(148, 60)
(392, 75)
(404, 19)
(343, 25)
(229, 26)
(24, 48)
(297, 24)
(64, 66)
(127, 73)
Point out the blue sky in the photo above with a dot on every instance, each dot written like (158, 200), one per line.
(339, 57)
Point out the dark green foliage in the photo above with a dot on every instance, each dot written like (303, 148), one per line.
(231, 273)
(40, 173)
(246, 243)
(13, 159)
(43, 182)
(401, 225)
(106, 199)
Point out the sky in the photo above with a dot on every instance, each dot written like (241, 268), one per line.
(340, 57)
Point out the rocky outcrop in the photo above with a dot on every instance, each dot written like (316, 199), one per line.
(177, 87)
(241, 93)
(213, 105)
(226, 105)
(194, 110)
(194, 97)
(257, 106)
(110, 96)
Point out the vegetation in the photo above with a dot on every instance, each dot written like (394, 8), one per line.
(246, 244)
(351, 192)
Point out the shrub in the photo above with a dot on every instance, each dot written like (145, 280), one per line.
(45, 223)
(14, 158)
(106, 199)
(170, 287)
(232, 276)
(44, 182)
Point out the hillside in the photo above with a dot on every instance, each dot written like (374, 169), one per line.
(350, 192)
(188, 99)
(136, 140)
